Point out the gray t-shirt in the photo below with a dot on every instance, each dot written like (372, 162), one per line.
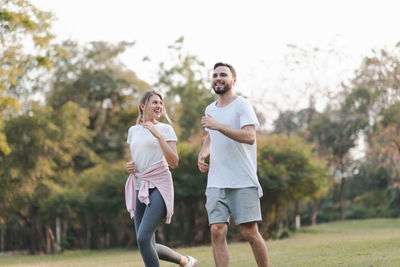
(232, 164)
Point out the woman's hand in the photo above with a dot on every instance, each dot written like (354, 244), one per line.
(130, 166)
(152, 128)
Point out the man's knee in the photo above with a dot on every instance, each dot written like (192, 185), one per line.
(218, 231)
(249, 231)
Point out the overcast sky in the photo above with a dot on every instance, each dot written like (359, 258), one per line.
(251, 35)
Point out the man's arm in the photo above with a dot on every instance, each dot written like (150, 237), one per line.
(247, 134)
(203, 154)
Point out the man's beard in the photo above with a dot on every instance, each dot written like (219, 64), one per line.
(223, 90)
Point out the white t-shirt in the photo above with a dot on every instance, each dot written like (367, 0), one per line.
(232, 164)
(145, 148)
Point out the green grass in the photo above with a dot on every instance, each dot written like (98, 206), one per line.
(366, 243)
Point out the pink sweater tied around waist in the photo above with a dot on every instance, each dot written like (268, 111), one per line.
(161, 177)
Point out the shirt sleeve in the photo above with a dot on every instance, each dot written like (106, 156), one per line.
(206, 112)
(169, 133)
(247, 115)
(129, 139)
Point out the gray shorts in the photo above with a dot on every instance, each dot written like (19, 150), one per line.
(242, 203)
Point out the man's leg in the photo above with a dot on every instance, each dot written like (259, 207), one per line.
(250, 232)
(218, 218)
(219, 245)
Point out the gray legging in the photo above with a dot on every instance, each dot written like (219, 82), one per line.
(147, 219)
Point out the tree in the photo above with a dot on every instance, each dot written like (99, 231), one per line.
(189, 185)
(288, 172)
(337, 131)
(187, 89)
(384, 150)
(45, 147)
(94, 78)
(380, 74)
(21, 25)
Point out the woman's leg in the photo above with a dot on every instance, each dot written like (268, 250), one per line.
(146, 226)
(167, 254)
(139, 212)
(147, 219)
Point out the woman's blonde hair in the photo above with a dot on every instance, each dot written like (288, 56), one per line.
(144, 99)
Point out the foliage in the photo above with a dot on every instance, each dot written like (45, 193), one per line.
(21, 25)
(94, 78)
(337, 131)
(287, 167)
(186, 88)
(190, 186)
(46, 145)
(379, 72)
(62, 161)
(288, 172)
(377, 174)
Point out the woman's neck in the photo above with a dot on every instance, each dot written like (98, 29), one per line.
(154, 121)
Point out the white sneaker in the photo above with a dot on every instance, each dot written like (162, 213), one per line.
(191, 263)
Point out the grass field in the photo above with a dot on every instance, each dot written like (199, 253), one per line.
(366, 243)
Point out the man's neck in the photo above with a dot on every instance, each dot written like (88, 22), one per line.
(225, 99)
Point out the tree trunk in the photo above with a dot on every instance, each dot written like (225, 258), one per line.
(88, 232)
(41, 239)
(277, 214)
(342, 185)
(58, 234)
(192, 205)
(51, 241)
(64, 227)
(107, 240)
(313, 212)
(200, 221)
(31, 237)
(297, 215)
(30, 224)
(2, 235)
(101, 241)
(48, 245)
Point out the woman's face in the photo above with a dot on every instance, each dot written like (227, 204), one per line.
(153, 109)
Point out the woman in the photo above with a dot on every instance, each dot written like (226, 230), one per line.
(153, 149)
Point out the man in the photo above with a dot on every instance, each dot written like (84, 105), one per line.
(232, 185)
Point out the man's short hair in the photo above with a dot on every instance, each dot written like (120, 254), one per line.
(221, 64)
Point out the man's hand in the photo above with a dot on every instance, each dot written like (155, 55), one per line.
(203, 167)
(209, 122)
(130, 166)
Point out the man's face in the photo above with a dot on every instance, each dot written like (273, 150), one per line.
(222, 80)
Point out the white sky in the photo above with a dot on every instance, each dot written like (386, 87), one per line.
(252, 35)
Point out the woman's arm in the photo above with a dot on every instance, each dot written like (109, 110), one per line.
(168, 148)
(170, 152)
